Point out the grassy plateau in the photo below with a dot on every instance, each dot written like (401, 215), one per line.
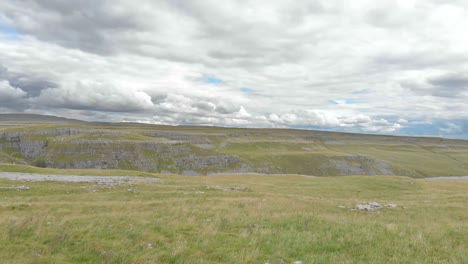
(234, 219)
(208, 150)
(258, 204)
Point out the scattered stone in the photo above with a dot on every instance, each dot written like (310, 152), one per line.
(369, 207)
(236, 189)
(213, 187)
(228, 189)
(342, 206)
(199, 192)
(149, 245)
(132, 191)
(17, 188)
(407, 181)
(373, 206)
(297, 262)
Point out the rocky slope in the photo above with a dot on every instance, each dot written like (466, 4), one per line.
(200, 150)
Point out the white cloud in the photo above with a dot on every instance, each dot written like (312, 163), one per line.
(95, 95)
(9, 93)
(149, 61)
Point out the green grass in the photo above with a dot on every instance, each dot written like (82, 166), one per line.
(105, 135)
(6, 158)
(279, 219)
(413, 158)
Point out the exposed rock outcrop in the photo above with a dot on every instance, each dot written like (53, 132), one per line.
(176, 154)
(215, 162)
(203, 151)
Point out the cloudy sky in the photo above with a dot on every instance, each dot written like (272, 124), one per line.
(388, 66)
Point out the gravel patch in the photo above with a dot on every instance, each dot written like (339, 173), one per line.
(17, 188)
(102, 180)
(449, 178)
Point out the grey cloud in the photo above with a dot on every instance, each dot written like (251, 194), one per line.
(226, 107)
(157, 97)
(447, 85)
(453, 85)
(11, 97)
(151, 28)
(378, 14)
(87, 25)
(205, 106)
(30, 84)
(97, 96)
(457, 81)
(415, 59)
(3, 72)
(229, 55)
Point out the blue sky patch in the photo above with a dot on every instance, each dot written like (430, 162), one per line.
(246, 89)
(347, 101)
(457, 128)
(8, 31)
(213, 80)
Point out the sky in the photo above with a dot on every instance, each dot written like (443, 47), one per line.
(395, 67)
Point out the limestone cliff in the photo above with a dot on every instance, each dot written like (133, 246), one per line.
(201, 150)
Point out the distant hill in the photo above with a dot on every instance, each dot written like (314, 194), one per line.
(33, 118)
(73, 144)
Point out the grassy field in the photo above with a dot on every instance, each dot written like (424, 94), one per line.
(274, 219)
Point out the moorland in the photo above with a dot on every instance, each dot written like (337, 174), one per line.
(226, 195)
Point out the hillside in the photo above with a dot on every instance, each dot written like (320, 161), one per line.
(11, 119)
(71, 144)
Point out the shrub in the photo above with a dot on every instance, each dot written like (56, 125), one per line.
(40, 162)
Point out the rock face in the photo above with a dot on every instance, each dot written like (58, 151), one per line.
(69, 148)
(358, 165)
(202, 150)
(15, 142)
(216, 162)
